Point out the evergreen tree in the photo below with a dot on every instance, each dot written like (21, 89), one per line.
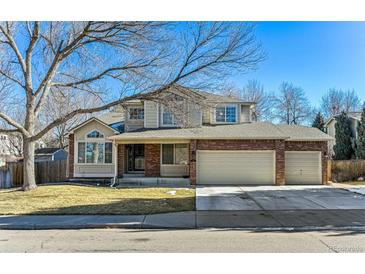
(319, 121)
(343, 148)
(360, 141)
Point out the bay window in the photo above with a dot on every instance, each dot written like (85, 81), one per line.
(226, 114)
(95, 152)
(175, 154)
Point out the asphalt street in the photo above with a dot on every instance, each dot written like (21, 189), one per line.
(190, 240)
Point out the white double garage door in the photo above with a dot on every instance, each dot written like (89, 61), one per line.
(225, 167)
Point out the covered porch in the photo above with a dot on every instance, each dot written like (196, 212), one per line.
(162, 162)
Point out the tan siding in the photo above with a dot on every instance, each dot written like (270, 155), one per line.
(92, 170)
(83, 170)
(206, 115)
(245, 116)
(195, 115)
(151, 114)
(93, 125)
(174, 170)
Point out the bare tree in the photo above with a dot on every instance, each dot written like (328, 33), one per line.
(59, 104)
(93, 57)
(291, 105)
(336, 100)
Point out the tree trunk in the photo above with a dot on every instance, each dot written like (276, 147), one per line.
(28, 165)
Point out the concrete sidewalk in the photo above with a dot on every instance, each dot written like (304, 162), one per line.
(299, 220)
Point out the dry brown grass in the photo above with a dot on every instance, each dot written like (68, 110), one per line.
(76, 200)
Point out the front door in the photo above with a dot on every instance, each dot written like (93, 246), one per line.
(135, 157)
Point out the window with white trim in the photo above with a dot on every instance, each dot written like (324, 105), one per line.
(175, 154)
(95, 153)
(168, 118)
(226, 114)
(136, 113)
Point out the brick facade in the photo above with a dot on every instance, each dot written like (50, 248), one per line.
(120, 159)
(152, 160)
(280, 162)
(192, 161)
(311, 146)
(71, 153)
(152, 154)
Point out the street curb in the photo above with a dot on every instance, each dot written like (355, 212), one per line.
(76, 226)
(149, 226)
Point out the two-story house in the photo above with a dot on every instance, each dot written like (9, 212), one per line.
(354, 117)
(209, 140)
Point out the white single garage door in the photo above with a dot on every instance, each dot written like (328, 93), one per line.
(227, 167)
(303, 167)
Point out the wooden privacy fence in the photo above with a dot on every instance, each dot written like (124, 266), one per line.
(11, 175)
(347, 170)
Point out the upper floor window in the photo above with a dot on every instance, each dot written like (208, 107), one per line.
(136, 113)
(95, 134)
(168, 118)
(226, 114)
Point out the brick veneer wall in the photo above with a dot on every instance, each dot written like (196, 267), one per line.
(192, 161)
(71, 153)
(120, 159)
(280, 146)
(280, 162)
(311, 146)
(152, 160)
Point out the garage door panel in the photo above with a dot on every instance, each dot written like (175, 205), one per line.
(303, 167)
(235, 167)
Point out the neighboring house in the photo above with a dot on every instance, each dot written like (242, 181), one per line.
(49, 154)
(354, 117)
(10, 149)
(220, 144)
(4, 149)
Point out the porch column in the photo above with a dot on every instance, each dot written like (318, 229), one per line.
(120, 159)
(152, 160)
(71, 155)
(192, 161)
(280, 162)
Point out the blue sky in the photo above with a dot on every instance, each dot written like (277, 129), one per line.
(314, 55)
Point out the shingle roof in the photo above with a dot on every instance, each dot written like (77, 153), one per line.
(47, 150)
(302, 133)
(261, 130)
(111, 117)
(217, 98)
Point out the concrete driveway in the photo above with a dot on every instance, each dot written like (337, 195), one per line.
(270, 198)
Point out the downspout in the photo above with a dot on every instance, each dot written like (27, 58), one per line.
(115, 178)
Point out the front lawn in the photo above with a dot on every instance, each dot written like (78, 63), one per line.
(77, 200)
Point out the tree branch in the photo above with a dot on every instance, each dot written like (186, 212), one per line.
(14, 123)
(12, 44)
(65, 118)
(9, 131)
(28, 57)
